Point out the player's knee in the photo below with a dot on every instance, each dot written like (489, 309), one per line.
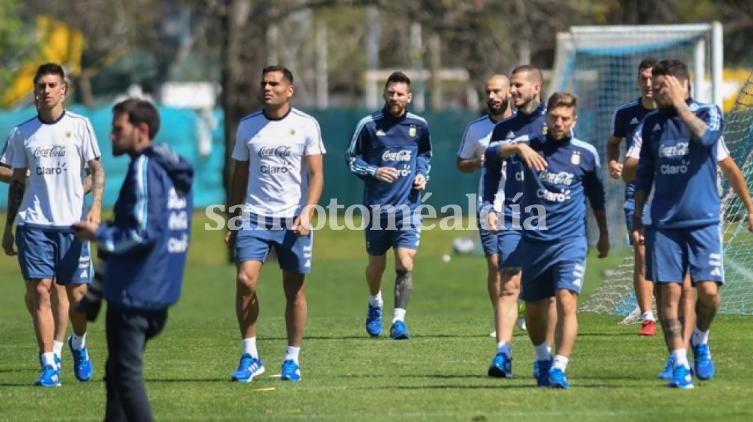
(41, 291)
(404, 264)
(246, 282)
(708, 293)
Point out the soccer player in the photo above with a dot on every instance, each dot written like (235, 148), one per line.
(58, 293)
(391, 151)
(502, 184)
(54, 148)
(145, 250)
(561, 173)
(278, 179)
(686, 311)
(626, 120)
(470, 158)
(681, 147)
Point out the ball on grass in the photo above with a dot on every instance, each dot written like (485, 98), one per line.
(445, 258)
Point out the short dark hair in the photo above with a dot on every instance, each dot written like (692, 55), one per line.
(647, 63)
(397, 77)
(49, 69)
(531, 69)
(562, 99)
(286, 73)
(139, 111)
(671, 67)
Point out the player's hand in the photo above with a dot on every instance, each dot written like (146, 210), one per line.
(8, 242)
(302, 225)
(638, 234)
(615, 169)
(94, 216)
(386, 174)
(675, 91)
(492, 220)
(230, 237)
(750, 223)
(603, 244)
(479, 162)
(531, 158)
(419, 183)
(85, 230)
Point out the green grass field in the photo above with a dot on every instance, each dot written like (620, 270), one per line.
(440, 374)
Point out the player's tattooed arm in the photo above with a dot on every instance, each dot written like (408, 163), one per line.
(97, 189)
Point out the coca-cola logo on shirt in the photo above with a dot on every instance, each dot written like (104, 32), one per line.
(402, 155)
(49, 151)
(275, 151)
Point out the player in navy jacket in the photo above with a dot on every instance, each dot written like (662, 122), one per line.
(627, 117)
(145, 251)
(501, 190)
(677, 165)
(561, 173)
(391, 151)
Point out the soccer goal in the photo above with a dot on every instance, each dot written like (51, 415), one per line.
(599, 64)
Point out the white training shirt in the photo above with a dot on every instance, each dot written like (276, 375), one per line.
(722, 152)
(475, 141)
(55, 155)
(277, 170)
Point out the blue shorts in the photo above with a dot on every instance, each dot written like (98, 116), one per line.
(549, 266)
(508, 242)
(672, 253)
(380, 238)
(258, 236)
(53, 253)
(488, 241)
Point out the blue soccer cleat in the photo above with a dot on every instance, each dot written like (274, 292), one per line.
(399, 331)
(248, 368)
(501, 366)
(666, 373)
(50, 377)
(704, 366)
(374, 321)
(82, 365)
(56, 360)
(541, 372)
(681, 378)
(290, 371)
(557, 379)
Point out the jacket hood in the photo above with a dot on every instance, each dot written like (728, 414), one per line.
(177, 167)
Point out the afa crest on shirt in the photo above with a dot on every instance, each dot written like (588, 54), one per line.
(544, 130)
(292, 132)
(68, 134)
(412, 131)
(575, 158)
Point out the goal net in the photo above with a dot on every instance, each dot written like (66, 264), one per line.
(599, 64)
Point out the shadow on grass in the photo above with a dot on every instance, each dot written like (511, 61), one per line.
(503, 386)
(179, 380)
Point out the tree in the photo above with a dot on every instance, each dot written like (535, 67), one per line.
(16, 41)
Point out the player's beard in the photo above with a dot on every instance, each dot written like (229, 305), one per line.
(501, 110)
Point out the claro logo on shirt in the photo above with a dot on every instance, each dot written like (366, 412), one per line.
(60, 168)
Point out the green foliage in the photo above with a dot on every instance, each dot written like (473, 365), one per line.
(440, 374)
(15, 39)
